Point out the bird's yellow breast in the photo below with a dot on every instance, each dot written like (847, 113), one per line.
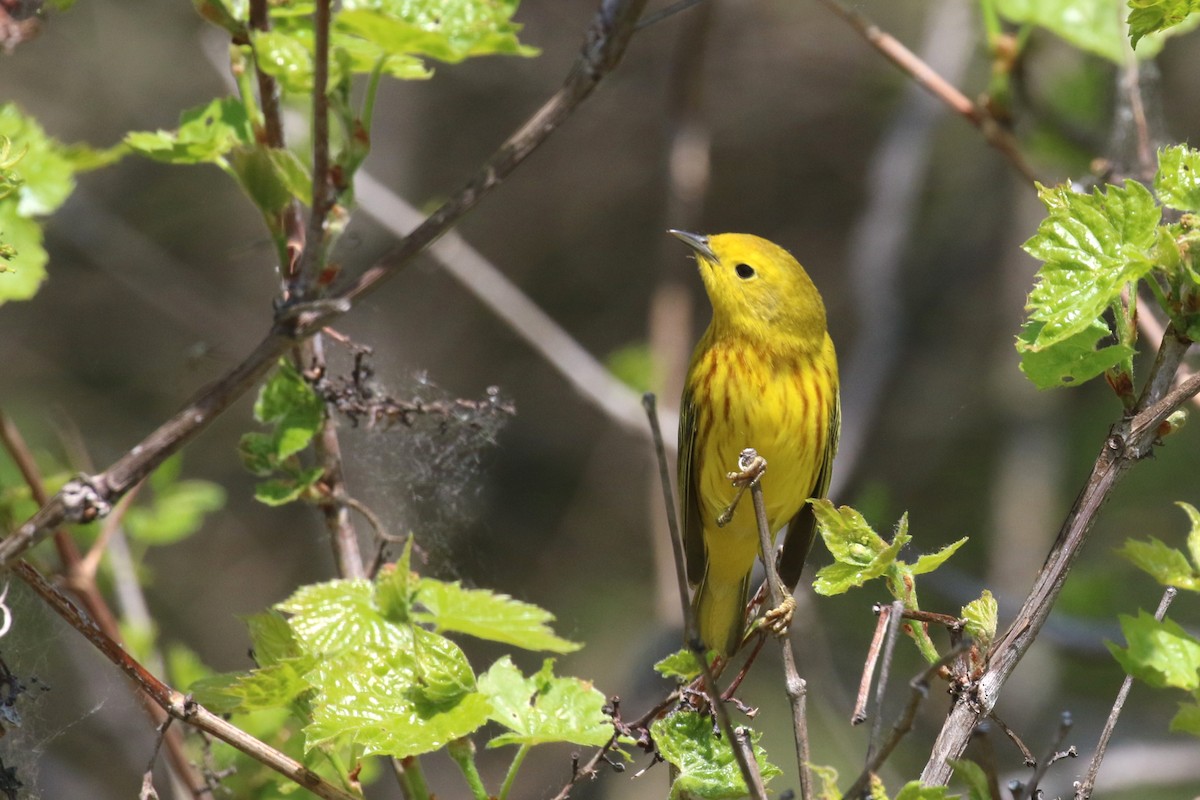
(779, 404)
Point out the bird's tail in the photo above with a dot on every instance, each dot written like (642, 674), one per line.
(720, 612)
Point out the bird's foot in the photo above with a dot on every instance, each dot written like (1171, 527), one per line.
(751, 467)
(779, 619)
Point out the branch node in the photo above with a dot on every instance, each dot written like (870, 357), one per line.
(84, 499)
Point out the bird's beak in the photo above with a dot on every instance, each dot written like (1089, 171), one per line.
(696, 242)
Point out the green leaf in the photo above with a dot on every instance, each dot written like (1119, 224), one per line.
(931, 561)
(544, 708)
(328, 618)
(22, 272)
(271, 178)
(861, 554)
(286, 57)
(1092, 246)
(177, 511)
(1151, 16)
(374, 698)
(448, 30)
(913, 790)
(488, 615)
(443, 674)
(272, 638)
(707, 766)
(257, 451)
(1193, 539)
(1165, 564)
(1187, 719)
(276, 686)
(974, 777)
(1159, 653)
(980, 615)
(205, 135)
(634, 366)
(1177, 182)
(36, 177)
(395, 586)
(1091, 25)
(680, 665)
(288, 402)
(280, 491)
(1073, 360)
(46, 176)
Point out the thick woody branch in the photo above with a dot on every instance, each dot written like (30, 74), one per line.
(1129, 441)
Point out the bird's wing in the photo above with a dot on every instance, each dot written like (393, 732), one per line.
(689, 497)
(803, 527)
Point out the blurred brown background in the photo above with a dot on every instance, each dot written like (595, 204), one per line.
(162, 278)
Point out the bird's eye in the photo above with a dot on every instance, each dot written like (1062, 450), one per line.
(744, 271)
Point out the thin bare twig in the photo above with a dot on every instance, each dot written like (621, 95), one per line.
(892, 49)
(868, 674)
(1130, 440)
(1084, 790)
(742, 745)
(885, 670)
(1026, 754)
(322, 189)
(175, 703)
(920, 690)
(795, 687)
(664, 474)
(80, 579)
(1052, 756)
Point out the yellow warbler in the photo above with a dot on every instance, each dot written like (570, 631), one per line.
(764, 375)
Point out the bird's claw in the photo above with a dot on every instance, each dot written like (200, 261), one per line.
(751, 467)
(779, 619)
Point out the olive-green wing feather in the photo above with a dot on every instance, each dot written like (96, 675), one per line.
(803, 527)
(691, 524)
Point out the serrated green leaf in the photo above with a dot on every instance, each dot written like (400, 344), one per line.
(1151, 16)
(1177, 181)
(339, 615)
(285, 56)
(1165, 564)
(443, 674)
(861, 554)
(21, 273)
(276, 686)
(280, 491)
(1187, 719)
(450, 30)
(205, 135)
(1193, 539)
(706, 763)
(291, 405)
(974, 777)
(980, 616)
(38, 162)
(1072, 361)
(544, 708)
(1092, 246)
(367, 697)
(680, 665)
(395, 585)
(257, 451)
(1159, 653)
(488, 615)
(272, 638)
(931, 561)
